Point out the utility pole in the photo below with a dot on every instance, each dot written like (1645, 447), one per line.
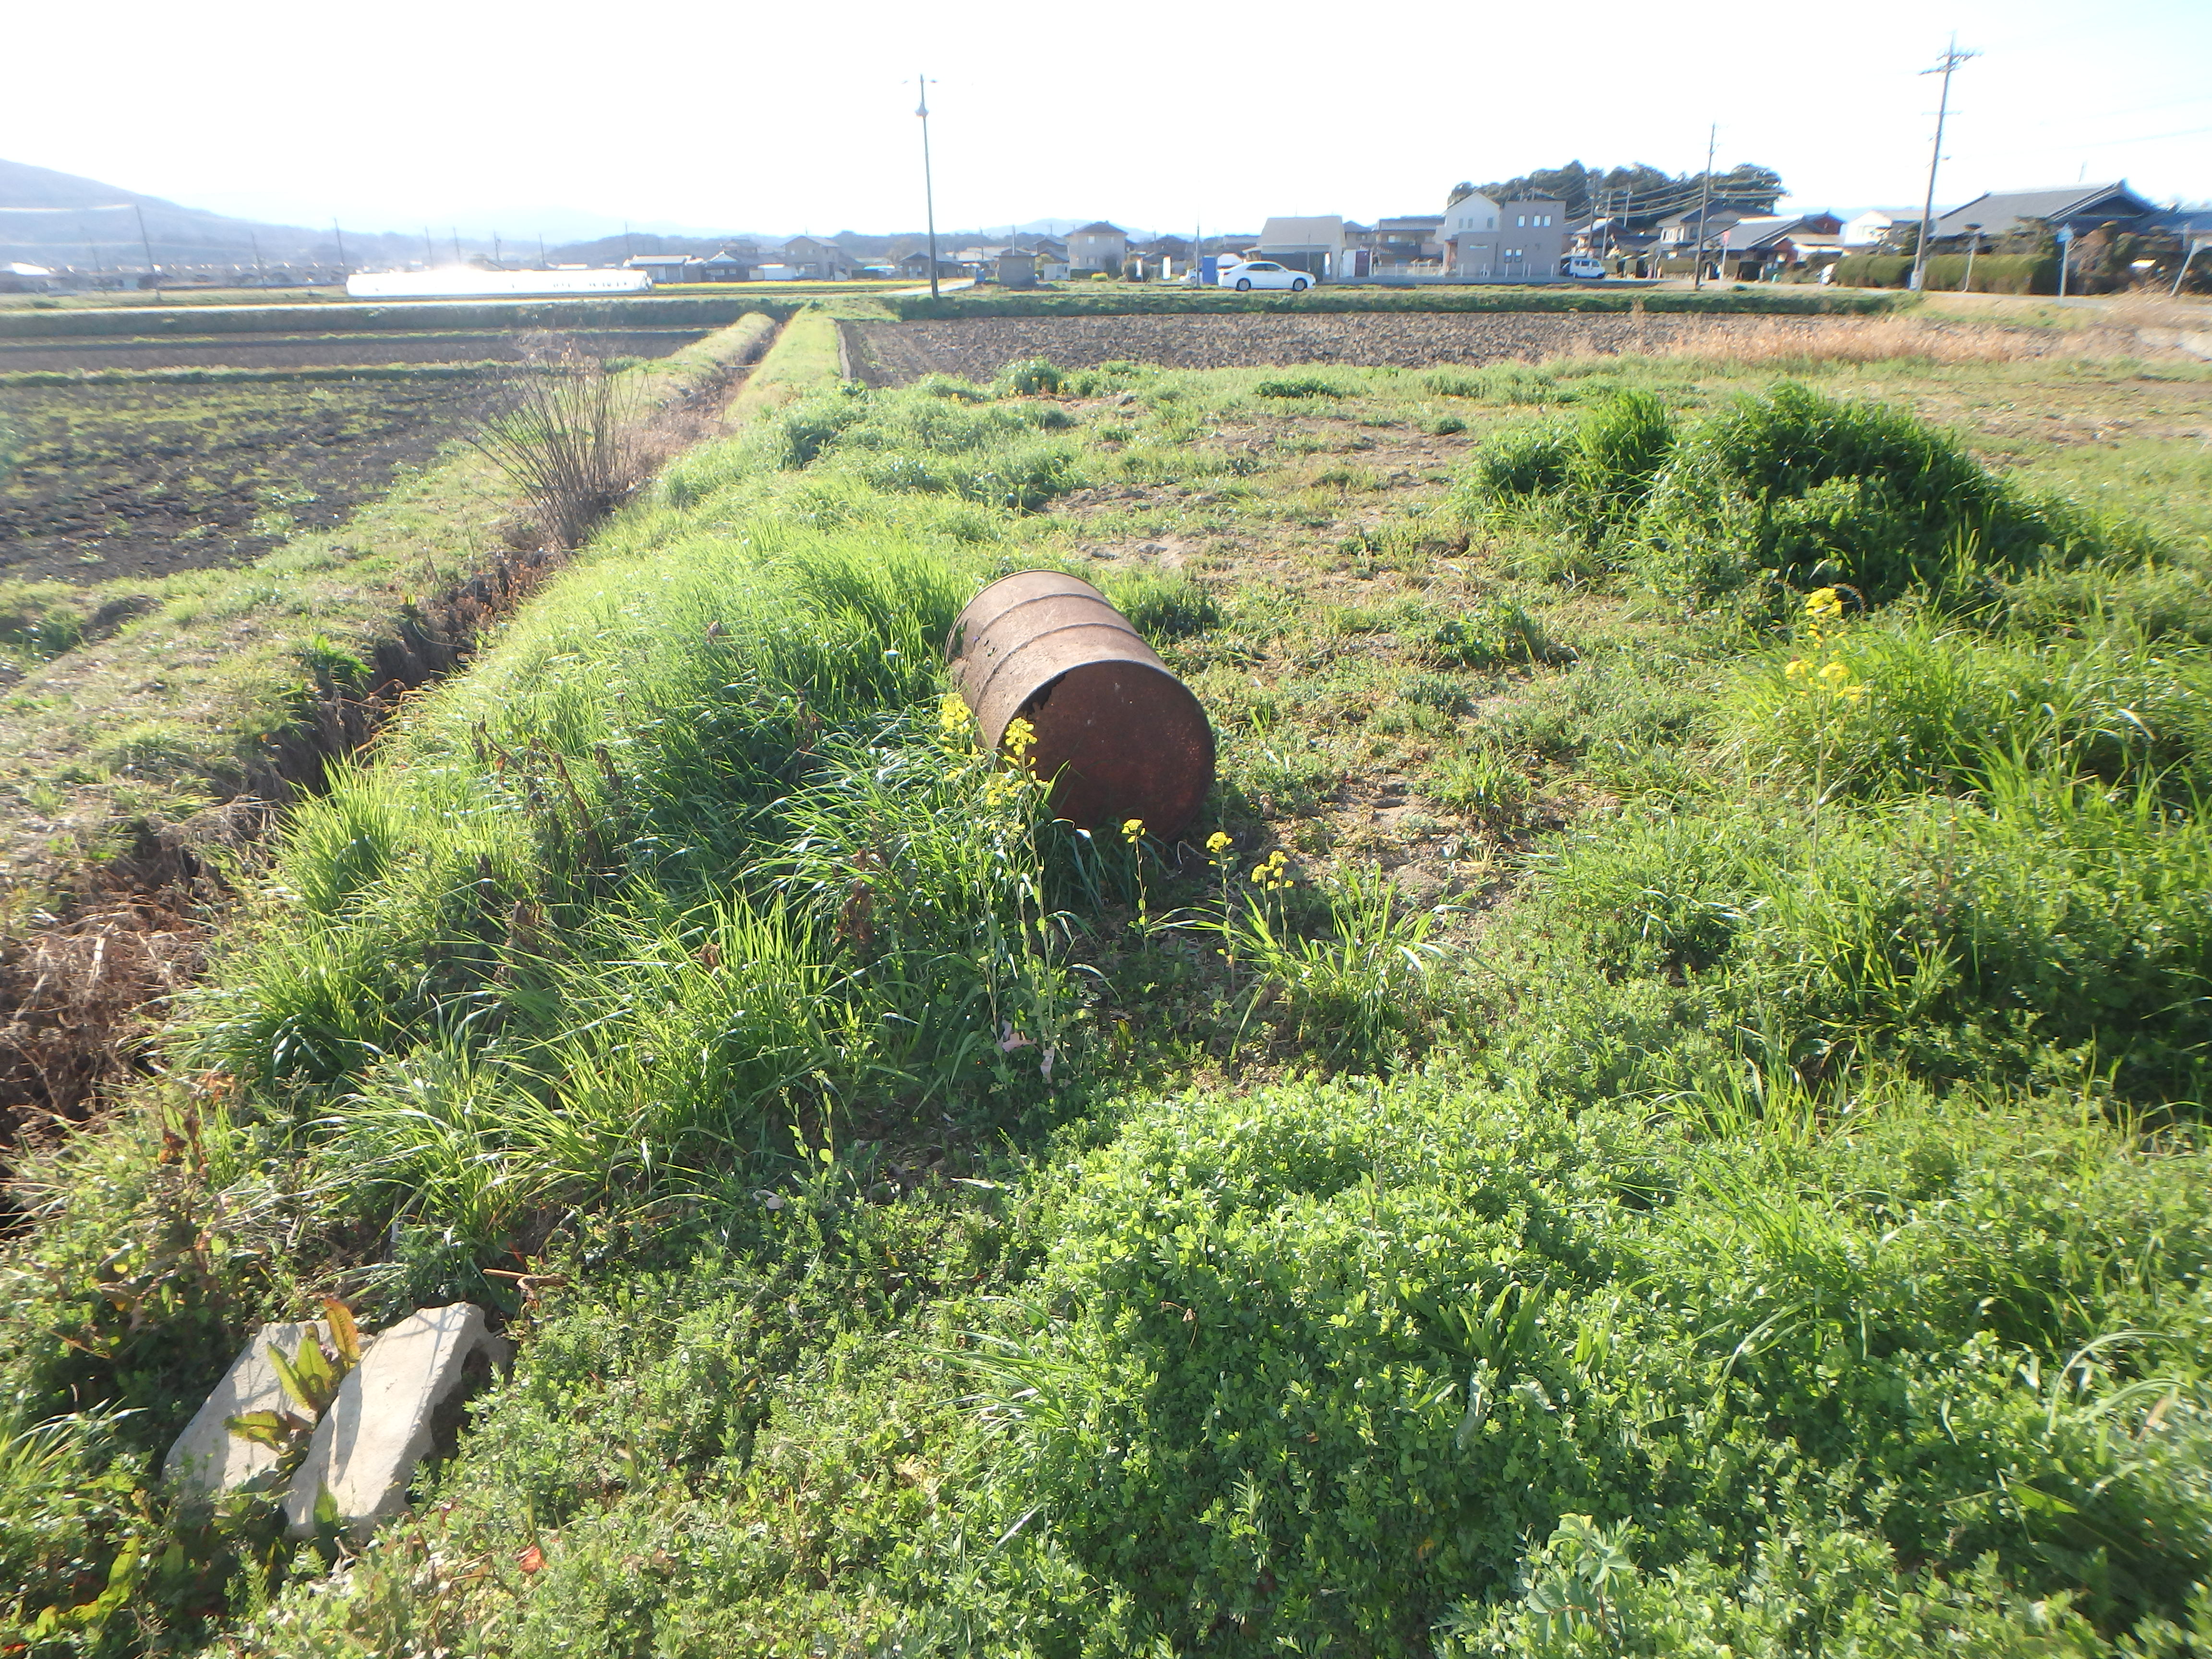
(626, 253)
(152, 276)
(456, 229)
(495, 264)
(429, 252)
(1704, 202)
(340, 235)
(258, 274)
(928, 184)
(542, 266)
(1951, 59)
(1966, 284)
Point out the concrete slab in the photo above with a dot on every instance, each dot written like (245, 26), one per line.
(207, 1460)
(384, 1421)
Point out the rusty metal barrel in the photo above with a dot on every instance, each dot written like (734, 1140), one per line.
(1118, 736)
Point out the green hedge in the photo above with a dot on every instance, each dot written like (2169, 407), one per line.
(1116, 301)
(1994, 273)
(644, 311)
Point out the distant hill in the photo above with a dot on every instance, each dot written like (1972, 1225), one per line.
(80, 224)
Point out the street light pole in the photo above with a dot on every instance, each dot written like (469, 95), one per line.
(928, 184)
(1973, 246)
(1951, 59)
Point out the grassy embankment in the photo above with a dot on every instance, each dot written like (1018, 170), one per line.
(1765, 1215)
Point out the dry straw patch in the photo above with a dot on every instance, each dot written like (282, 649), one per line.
(1879, 339)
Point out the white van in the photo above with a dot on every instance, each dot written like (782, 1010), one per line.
(1582, 268)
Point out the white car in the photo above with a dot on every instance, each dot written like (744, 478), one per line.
(1263, 273)
(1582, 268)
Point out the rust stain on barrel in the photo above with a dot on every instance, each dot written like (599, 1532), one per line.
(1119, 734)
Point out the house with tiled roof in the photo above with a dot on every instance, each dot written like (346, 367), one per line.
(2079, 208)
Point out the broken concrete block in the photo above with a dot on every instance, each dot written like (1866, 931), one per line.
(384, 1419)
(207, 1459)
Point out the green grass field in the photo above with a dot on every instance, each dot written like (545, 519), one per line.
(1659, 1113)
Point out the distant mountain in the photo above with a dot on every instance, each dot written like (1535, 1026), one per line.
(94, 226)
(86, 223)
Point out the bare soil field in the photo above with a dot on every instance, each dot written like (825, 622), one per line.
(280, 351)
(893, 354)
(130, 480)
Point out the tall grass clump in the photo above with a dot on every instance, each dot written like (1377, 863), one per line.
(567, 439)
(1821, 491)
(1595, 470)
(1789, 490)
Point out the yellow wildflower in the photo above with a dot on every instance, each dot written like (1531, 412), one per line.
(953, 713)
(1835, 676)
(1132, 831)
(1217, 844)
(1797, 670)
(1021, 737)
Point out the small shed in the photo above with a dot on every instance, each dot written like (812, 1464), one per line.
(1016, 268)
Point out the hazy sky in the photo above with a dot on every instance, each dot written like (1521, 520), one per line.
(785, 118)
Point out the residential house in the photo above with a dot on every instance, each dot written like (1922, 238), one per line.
(1876, 226)
(1408, 238)
(1677, 232)
(728, 265)
(1051, 253)
(1752, 249)
(1518, 241)
(915, 265)
(2079, 208)
(1315, 246)
(667, 268)
(817, 260)
(1097, 246)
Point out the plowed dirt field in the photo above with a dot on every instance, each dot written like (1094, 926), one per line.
(893, 354)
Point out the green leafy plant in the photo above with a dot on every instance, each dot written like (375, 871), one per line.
(1297, 386)
(310, 1376)
(1354, 994)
